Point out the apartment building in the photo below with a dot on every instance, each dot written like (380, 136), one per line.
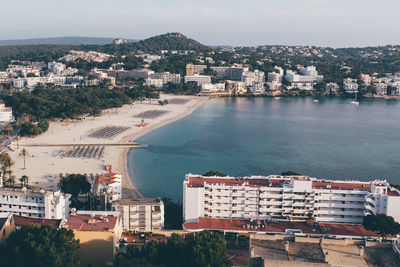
(287, 197)
(305, 75)
(350, 85)
(6, 115)
(34, 203)
(56, 67)
(140, 214)
(194, 69)
(166, 77)
(199, 79)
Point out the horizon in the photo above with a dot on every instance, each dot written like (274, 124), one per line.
(319, 23)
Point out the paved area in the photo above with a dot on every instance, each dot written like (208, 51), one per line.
(343, 255)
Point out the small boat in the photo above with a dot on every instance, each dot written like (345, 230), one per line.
(277, 97)
(315, 100)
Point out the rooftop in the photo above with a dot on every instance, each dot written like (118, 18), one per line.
(279, 227)
(108, 178)
(92, 221)
(138, 201)
(24, 191)
(24, 221)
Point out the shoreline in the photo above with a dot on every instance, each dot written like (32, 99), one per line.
(125, 151)
(46, 164)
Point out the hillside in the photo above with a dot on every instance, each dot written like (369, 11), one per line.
(61, 41)
(170, 41)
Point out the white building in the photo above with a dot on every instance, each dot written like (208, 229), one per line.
(56, 67)
(287, 197)
(157, 83)
(5, 113)
(213, 87)
(350, 85)
(140, 214)
(380, 88)
(166, 77)
(110, 183)
(199, 79)
(34, 203)
(331, 88)
(305, 75)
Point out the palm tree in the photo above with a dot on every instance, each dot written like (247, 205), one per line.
(6, 163)
(23, 154)
(24, 180)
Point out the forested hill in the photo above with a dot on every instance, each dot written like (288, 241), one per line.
(170, 41)
(72, 40)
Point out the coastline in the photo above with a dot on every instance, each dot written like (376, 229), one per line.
(45, 164)
(128, 188)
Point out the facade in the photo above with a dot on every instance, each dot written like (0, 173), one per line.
(7, 226)
(305, 75)
(157, 83)
(34, 203)
(140, 214)
(350, 85)
(213, 87)
(287, 197)
(5, 113)
(199, 79)
(166, 77)
(98, 233)
(56, 67)
(380, 88)
(331, 88)
(236, 88)
(194, 69)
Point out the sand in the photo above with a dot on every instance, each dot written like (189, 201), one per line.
(45, 164)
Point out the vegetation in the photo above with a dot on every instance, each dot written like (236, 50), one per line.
(24, 181)
(289, 173)
(46, 103)
(385, 225)
(215, 173)
(75, 184)
(208, 249)
(36, 246)
(190, 88)
(31, 129)
(173, 217)
(170, 41)
(6, 164)
(163, 102)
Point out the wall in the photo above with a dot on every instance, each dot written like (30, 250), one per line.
(7, 229)
(96, 247)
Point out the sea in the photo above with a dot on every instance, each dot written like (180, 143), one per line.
(329, 138)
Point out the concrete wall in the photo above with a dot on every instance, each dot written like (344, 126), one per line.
(393, 207)
(193, 203)
(96, 248)
(8, 228)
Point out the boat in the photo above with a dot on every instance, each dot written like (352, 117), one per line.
(277, 97)
(355, 102)
(316, 100)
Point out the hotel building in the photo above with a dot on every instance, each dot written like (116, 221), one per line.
(287, 198)
(34, 203)
(140, 214)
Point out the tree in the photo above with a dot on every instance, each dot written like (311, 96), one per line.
(290, 173)
(6, 164)
(23, 154)
(382, 223)
(75, 184)
(39, 245)
(209, 250)
(24, 180)
(173, 214)
(214, 173)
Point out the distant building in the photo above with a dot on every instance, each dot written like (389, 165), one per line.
(213, 87)
(192, 69)
(236, 88)
(199, 79)
(350, 85)
(306, 75)
(34, 203)
(157, 83)
(287, 198)
(7, 226)
(166, 77)
(380, 88)
(140, 73)
(6, 115)
(140, 214)
(56, 67)
(120, 41)
(331, 88)
(98, 233)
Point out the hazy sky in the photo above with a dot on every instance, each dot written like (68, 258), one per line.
(334, 23)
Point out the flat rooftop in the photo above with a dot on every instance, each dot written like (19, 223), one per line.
(92, 222)
(138, 201)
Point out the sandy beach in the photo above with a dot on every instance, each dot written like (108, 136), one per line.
(44, 164)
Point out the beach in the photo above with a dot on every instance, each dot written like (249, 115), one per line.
(46, 161)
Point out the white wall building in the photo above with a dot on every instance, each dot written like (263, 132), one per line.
(5, 113)
(213, 87)
(199, 79)
(287, 197)
(157, 83)
(56, 67)
(306, 75)
(350, 85)
(34, 203)
(140, 214)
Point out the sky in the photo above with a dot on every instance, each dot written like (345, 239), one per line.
(334, 23)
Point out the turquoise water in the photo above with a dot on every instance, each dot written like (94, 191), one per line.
(261, 136)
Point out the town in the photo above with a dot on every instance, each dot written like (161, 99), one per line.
(69, 120)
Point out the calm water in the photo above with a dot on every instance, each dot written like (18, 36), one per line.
(245, 136)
